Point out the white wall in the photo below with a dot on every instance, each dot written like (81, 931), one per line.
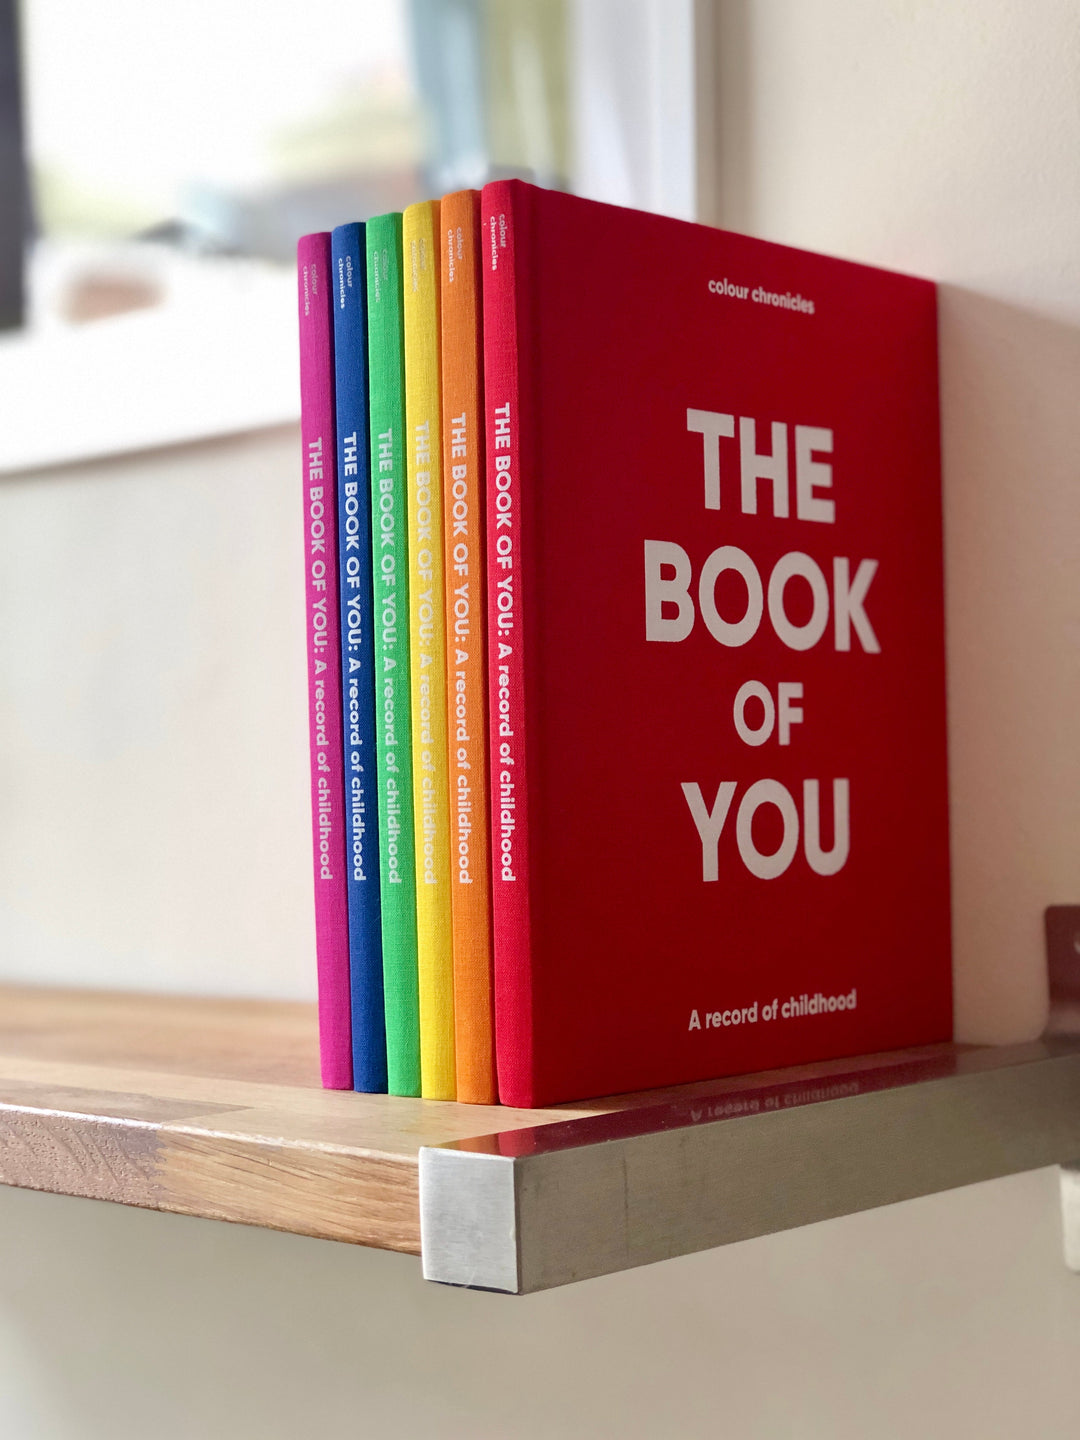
(153, 798)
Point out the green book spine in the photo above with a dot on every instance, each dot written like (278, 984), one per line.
(390, 547)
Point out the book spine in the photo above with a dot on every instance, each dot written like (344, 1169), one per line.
(390, 564)
(503, 243)
(357, 657)
(323, 662)
(466, 651)
(427, 646)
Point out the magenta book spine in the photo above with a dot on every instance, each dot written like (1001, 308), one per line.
(323, 639)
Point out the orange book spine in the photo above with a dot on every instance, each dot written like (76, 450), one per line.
(466, 660)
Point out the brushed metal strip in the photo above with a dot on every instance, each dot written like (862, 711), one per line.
(468, 1219)
(592, 1196)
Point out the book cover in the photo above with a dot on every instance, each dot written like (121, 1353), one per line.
(323, 658)
(393, 734)
(716, 654)
(466, 659)
(427, 649)
(347, 258)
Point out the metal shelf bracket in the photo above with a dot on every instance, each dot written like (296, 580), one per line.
(1070, 1214)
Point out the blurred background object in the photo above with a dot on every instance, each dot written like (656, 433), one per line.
(162, 161)
(205, 129)
(492, 76)
(215, 130)
(214, 126)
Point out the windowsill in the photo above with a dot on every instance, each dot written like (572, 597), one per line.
(218, 358)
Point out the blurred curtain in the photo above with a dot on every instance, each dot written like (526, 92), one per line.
(493, 80)
(14, 191)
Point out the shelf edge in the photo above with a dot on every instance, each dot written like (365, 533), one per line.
(534, 1209)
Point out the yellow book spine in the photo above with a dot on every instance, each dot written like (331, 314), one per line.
(427, 650)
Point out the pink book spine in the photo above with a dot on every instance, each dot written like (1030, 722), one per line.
(323, 661)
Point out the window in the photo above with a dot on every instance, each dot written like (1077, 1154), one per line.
(177, 150)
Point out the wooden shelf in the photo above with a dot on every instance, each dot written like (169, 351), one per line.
(213, 1108)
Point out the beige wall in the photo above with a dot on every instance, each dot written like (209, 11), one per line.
(154, 823)
(942, 137)
(949, 1318)
(152, 708)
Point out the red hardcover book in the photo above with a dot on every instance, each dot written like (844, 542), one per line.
(716, 654)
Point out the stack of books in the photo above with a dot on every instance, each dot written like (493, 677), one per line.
(625, 651)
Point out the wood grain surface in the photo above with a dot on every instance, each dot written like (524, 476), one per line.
(213, 1108)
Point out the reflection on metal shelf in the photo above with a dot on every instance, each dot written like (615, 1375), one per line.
(531, 1209)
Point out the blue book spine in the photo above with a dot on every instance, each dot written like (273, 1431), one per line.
(348, 259)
